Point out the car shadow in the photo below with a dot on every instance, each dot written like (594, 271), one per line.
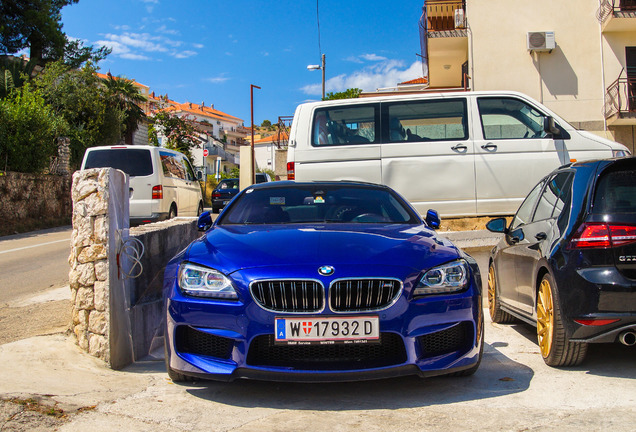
(603, 359)
(497, 376)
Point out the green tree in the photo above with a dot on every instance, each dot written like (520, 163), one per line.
(266, 123)
(123, 95)
(351, 93)
(28, 131)
(180, 132)
(78, 96)
(13, 73)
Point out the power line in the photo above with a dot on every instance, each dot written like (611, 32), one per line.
(318, 20)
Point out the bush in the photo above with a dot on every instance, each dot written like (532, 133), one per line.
(28, 131)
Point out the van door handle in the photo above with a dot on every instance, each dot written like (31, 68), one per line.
(541, 236)
(459, 148)
(489, 147)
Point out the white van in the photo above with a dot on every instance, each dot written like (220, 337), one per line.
(463, 153)
(162, 181)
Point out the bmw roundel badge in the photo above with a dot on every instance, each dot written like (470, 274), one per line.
(326, 270)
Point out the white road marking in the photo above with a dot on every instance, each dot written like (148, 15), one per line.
(37, 245)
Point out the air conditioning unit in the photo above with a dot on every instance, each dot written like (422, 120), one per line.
(541, 41)
(460, 19)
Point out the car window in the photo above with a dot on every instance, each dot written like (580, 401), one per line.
(172, 166)
(318, 204)
(525, 210)
(550, 203)
(345, 125)
(228, 184)
(615, 192)
(188, 169)
(509, 118)
(134, 162)
(431, 120)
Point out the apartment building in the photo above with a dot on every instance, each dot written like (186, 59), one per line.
(577, 57)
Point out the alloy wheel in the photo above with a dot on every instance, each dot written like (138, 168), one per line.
(545, 318)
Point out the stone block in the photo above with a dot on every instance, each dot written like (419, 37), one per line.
(98, 322)
(101, 295)
(85, 298)
(84, 274)
(98, 346)
(101, 270)
(92, 253)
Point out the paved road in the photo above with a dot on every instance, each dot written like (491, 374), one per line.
(33, 263)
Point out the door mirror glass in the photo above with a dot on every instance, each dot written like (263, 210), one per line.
(497, 225)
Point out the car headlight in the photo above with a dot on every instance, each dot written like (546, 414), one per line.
(199, 281)
(444, 279)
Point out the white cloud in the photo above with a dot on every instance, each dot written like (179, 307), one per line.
(366, 57)
(150, 4)
(385, 74)
(141, 46)
(216, 80)
(198, 45)
(184, 54)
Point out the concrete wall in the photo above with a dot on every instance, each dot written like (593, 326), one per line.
(116, 291)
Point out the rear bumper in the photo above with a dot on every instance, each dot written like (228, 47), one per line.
(155, 217)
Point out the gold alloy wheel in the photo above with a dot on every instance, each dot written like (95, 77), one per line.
(545, 318)
(491, 290)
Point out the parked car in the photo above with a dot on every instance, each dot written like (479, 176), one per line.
(472, 143)
(223, 193)
(567, 261)
(162, 182)
(324, 281)
(262, 178)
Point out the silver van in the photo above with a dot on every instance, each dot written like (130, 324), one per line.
(463, 153)
(162, 181)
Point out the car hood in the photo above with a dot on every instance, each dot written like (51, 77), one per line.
(233, 248)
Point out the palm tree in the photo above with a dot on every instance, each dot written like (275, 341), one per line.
(122, 94)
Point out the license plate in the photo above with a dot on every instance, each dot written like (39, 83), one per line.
(225, 203)
(327, 330)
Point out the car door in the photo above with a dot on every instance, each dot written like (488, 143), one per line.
(538, 237)
(427, 154)
(506, 260)
(512, 152)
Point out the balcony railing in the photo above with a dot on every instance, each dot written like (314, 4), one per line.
(620, 98)
(616, 8)
(441, 14)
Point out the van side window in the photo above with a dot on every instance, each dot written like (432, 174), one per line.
(172, 167)
(430, 120)
(188, 169)
(509, 118)
(354, 124)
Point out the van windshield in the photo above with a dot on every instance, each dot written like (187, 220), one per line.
(134, 162)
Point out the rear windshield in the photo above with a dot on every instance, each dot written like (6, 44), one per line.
(228, 184)
(319, 204)
(616, 193)
(134, 162)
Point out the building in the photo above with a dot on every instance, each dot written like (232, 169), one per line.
(576, 57)
(266, 151)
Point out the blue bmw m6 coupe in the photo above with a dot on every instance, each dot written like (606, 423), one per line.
(321, 281)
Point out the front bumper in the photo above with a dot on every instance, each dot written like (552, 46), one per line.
(229, 340)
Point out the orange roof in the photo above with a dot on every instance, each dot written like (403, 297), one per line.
(105, 76)
(284, 136)
(202, 110)
(422, 80)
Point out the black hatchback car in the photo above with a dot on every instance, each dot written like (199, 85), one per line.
(567, 261)
(223, 193)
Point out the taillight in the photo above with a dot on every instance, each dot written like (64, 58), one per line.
(216, 194)
(157, 192)
(291, 172)
(602, 236)
(595, 321)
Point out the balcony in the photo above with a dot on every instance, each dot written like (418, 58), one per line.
(444, 27)
(214, 151)
(617, 15)
(620, 102)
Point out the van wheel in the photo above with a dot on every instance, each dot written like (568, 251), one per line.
(200, 209)
(173, 212)
(556, 348)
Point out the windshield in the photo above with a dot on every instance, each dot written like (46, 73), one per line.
(319, 204)
(134, 162)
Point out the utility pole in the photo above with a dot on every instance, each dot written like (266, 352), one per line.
(252, 86)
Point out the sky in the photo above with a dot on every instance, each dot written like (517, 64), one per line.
(212, 51)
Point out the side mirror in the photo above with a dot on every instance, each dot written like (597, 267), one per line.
(199, 175)
(205, 221)
(550, 127)
(497, 225)
(432, 219)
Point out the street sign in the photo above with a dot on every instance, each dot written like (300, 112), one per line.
(205, 152)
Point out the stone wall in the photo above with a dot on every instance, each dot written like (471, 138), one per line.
(33, 201)
(117, 303)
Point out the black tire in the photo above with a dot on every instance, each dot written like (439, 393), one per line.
(215, 210)
(175, 376)
(200, 209)
(173, 212)
(556, 349)
(497, 315)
